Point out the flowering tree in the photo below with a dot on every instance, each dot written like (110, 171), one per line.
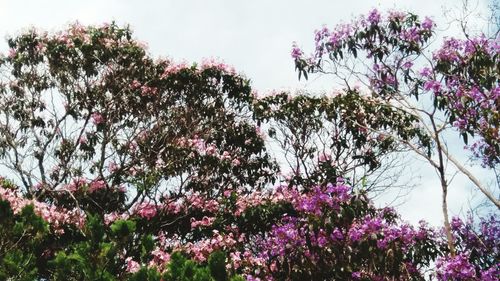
(460, 85)
(131, 168)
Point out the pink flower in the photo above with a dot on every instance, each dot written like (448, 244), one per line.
(432, 85)
(110, 218)
(97, 118)
(225, 155)
(132, 266)
(12, 53)
(54, 216)
(426, 72)
(205, 221)
(407, 64)
(148, 91)
(208, 63)
(211, 149)
(146, 210)
(160, 257)
(324, 157)
(374, 17)
(173, 69)
(235, 162)
(135, 84)
(96, 185)
(112, 167)
(82, 140)
(227, 193)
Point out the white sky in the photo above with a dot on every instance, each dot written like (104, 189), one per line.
(254, 36)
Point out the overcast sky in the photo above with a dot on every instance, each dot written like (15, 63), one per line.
(255, 36)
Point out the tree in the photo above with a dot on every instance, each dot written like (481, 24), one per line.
(325, 137)
(132, 168)
(459, 84)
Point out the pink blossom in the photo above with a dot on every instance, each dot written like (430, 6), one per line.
(97, 185)
(56, 217)
(205, 221)
(12, 53)
(323, 157)
(408, 64)
(173, 68)
(160, 257)
(148, 91)
(82, 140)
(208, 63)
(112, 217)
(225, 155)
(135, 84)
(146, 210)
(235, 162)
(432, 85)
(97, 118)
(112, 167)
(132, 266)
(426, 72)
(211, 149)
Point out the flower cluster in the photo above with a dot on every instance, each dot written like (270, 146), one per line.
(471, 98)
(58, 218)
(455, 268)
(403, 32)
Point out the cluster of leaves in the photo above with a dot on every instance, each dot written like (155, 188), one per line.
(24, 238)
(332, 136)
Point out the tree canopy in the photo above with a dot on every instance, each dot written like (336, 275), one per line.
(127, 167)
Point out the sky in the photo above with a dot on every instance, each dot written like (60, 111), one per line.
(255, 37)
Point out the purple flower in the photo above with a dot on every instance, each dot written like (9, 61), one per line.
(407, 65)
(427, 23)
(455, 268)
(491, 274)
(432, 85)
(296, 51)
(426, 72)
(456, 223)
(374, 17)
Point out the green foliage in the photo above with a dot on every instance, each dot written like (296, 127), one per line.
(237, 278)
(22, 238)
(146, 274)
(98, 256)
(123, 228)
(182, 269)
(217, 265)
